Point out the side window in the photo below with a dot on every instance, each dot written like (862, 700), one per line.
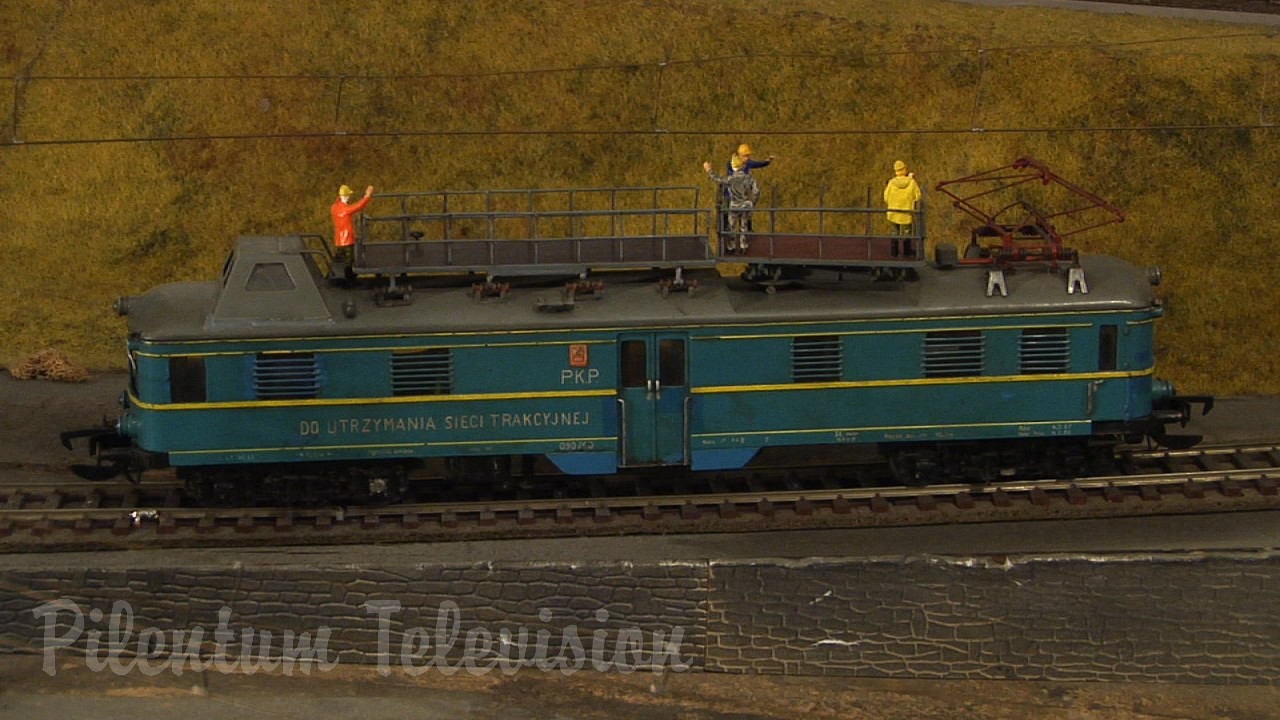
(953, 353)
(1108, 348)
(266, 277)
(633, 363)
(186, 380)
(671, 363)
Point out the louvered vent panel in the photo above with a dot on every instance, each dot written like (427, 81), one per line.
(815, 358)
(422, 372)
(1044, 350)
(955, 353)
(286, 376)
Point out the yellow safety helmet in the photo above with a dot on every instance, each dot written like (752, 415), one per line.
(344, 190)
(744, 149)
(736, 162)
(899, 166)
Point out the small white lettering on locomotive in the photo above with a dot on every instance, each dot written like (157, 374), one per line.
(429, 423)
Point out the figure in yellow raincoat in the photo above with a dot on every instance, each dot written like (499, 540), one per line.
(902, 198)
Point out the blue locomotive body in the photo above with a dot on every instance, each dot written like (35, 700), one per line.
(279, 364)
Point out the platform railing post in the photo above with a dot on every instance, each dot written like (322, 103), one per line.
(488, 210)
(920, 227)
(822, 209)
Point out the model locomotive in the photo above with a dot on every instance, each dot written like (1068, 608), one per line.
(596, 330)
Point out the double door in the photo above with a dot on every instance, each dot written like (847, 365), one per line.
(653, 398)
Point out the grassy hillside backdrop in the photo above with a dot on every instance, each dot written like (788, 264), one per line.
(140, 138)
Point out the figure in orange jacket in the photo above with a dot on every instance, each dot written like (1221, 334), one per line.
(344, 231)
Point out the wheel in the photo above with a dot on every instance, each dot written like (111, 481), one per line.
(905, 470)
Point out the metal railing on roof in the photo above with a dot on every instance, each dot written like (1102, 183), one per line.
(516, 231)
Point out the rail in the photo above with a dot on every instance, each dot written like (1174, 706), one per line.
(65, 515)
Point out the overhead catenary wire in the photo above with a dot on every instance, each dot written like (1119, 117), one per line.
(22, 82)
(734, 132)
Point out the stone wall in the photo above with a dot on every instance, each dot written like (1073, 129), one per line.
(1179, 618)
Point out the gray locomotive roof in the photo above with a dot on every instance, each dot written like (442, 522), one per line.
(314, 307)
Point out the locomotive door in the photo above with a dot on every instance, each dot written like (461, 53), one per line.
(652, 396)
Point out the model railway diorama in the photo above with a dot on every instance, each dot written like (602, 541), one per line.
(603, 332)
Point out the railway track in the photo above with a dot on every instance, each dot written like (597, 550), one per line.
(84, 516)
